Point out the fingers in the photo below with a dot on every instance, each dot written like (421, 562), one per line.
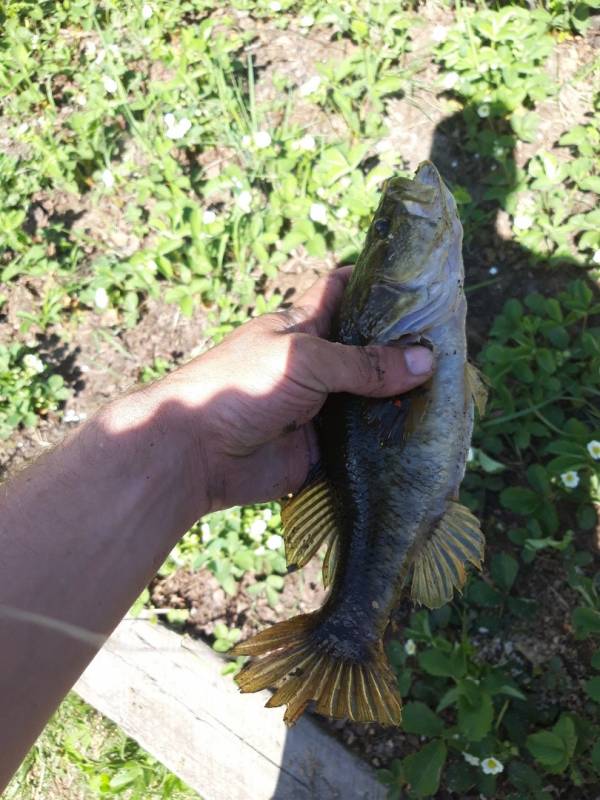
(313, 312)
(372, 371)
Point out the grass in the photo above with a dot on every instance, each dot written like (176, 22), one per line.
(81, 754)
(161, 154)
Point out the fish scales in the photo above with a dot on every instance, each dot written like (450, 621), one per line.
(390, 473)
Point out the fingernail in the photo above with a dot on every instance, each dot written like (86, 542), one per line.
(419, 360)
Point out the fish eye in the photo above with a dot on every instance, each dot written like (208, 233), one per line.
(382, 227)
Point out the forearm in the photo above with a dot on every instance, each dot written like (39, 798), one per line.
(82, 531)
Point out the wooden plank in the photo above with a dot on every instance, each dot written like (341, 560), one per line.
(167, 692)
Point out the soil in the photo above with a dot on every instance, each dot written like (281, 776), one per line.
(99, 359)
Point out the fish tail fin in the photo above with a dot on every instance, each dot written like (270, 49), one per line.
(293, 659)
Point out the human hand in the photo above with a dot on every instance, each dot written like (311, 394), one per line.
(254, 395)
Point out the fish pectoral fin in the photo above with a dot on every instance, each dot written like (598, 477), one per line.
(308, 519)
(289, 657)
(439, 567)
(475, 384)
(397, 417)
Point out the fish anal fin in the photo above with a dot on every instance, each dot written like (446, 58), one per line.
(476, 387)
(308, 519)
(304, 670)
(439, 566)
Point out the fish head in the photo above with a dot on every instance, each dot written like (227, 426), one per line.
(410, 274)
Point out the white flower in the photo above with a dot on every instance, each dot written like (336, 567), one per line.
(246, 141)
(109, 84)
(472, 760)
(321, 192)
(274, 541)
(205, 532)
(23, 128)
(90, 50)
(267, 514)
(176, 130)
(307, 142)
(493, 270)
(244, 201)
(147, 11)
(342, 212)
(33, 362)
(345, 181)
(439, 33)
(410, 648)
(208, 217)
(593, 449)
(523, 222)
(483, 111)
(81, 100)
(262, 139)
(258, 527)
(71, 416)
(307, 21)
(318, 213)
(152, 266)
(107, 178)
(450, 80)
(491, 766)
(310, 86)
(259, 551)
(101, 298)
(275, 6)
(570, 479)
(596, 257)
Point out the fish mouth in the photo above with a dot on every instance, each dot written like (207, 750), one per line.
(424, 196)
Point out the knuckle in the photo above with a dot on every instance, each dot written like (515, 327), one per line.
(371, 366)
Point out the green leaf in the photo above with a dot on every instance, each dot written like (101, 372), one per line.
(504, 569)
(547, 748)
(440, 664)
(595, 757)
(596, 660)
(525, 125)
(592, 687)
(523, 777)
(420, 719)
(475, 719)
(244, 559)
(423, 769)
(586, 622)
(590, 184)
(554, 749)
(520, 500)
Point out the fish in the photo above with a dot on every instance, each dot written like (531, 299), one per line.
(385, 494)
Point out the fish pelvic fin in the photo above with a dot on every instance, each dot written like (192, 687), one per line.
(302, 669)
(476, 387)
(439, 567)
(396, 418)
(308, 520)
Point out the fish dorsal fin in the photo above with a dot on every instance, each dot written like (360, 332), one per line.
(439, 566)
(308, 519)
(476, 387)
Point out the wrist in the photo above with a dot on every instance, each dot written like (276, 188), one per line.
(155, 437)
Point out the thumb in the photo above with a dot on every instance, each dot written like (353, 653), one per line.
(371, 371)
